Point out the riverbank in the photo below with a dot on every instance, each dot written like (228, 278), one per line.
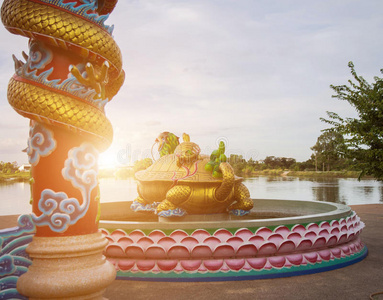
(312, 174)
(110, 173)
(15, 177)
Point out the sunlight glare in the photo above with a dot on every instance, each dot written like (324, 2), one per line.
(107, 159)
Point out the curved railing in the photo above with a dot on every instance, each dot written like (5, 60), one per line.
(279, 238)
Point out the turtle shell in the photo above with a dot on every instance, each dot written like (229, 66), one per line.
(166, 169)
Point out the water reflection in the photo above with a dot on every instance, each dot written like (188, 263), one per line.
(278, 178)
(327, 192)
(14, 196)
(338, 190)
(325, 189)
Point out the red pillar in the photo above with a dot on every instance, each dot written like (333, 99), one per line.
(72, 70)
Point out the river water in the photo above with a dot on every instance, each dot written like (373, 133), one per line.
(14, 197)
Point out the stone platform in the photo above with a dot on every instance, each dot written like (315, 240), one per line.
(357, 281)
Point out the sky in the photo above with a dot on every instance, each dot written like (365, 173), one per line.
(254, 74)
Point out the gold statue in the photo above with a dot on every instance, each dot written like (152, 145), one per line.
(182, 182)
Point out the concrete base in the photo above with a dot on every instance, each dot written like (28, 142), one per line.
(70, 267)
(357, 281)
(314, 237)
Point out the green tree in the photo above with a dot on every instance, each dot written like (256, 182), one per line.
(287, 162)
(363, 135)
(283, 163)
(329, 151)
(307, 165)
(271, 162)
(251, 162)
(8, 167)
(237, 162)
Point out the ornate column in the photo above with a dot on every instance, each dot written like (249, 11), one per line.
(73, 69)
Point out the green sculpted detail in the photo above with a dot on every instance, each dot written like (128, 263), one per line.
(31, 182)
(167, 143)
(216, 157)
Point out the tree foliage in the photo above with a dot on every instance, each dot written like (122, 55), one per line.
(243, 167)
(273, 162)
(8, 167)
(363, 135)
(237, 162)
(329, 151)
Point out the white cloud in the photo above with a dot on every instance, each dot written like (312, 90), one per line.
(254, 72)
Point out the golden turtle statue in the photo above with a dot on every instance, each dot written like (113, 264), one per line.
(182, 182)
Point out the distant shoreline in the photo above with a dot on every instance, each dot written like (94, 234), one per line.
(315, 174)
(15, 177)
(24, 176)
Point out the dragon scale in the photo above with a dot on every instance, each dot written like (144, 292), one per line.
(73, 94)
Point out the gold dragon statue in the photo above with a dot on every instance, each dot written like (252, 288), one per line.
(74, 66)
(183, 181)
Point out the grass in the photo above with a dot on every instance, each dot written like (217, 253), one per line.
(15, 177)
(331, 174)
(267, 172)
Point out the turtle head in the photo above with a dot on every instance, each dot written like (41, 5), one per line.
(167, 143)
(187, 152)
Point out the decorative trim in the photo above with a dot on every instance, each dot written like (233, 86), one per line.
(41, 142)
(14, 261)
(39, 57)
(239, 212)
(323, 266)
(58, 210)
(260, 253)
(178, 212)
(137, 206)
(81, 11)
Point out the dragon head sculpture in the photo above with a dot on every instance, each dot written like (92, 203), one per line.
(167, 143)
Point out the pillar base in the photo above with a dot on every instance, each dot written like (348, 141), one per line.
(70, 267)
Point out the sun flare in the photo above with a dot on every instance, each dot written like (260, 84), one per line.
(107, 159)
